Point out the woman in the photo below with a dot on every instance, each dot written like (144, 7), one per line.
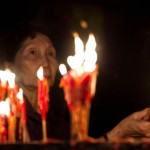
(25, 50)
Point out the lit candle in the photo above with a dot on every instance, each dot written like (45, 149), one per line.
(4, 112)
(43, 99)
(79, 85)
(12, 93)
(3, 84)
(23, 115)
(12, 88)
(23, 105)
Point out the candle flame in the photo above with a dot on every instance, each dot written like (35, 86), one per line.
(3, 78)
(79, 47)
(90, 54)
(62, 69)
(5, 107)
(11, 78)
(77, 60)
(40, 73)
(20, 94)
(91, 43)
(83, 61)
(70, 61)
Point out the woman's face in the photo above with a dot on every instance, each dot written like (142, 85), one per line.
(34, 53)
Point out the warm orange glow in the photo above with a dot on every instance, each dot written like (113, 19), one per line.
(83, 24)
(40, 73)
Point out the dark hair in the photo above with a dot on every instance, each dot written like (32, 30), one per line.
(12, 36)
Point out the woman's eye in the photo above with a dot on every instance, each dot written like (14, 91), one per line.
(51, 54)
(32, 52)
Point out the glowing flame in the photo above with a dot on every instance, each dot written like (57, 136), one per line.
(62, 69)
(91, 43)
(5, 107)
(77, 60)
(70, 61)
(3, 78)
(79, 47)
(83, 61)
(40, 73)
(11, 78)
(90, 54)
(20, 95)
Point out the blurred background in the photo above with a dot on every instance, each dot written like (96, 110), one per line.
(122, 32)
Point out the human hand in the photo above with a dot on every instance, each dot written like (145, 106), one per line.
(137, 125)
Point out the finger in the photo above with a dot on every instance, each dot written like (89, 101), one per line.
(146, 118)
(143, 128)
(142, 115)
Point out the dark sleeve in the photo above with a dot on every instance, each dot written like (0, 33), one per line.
(57, 127)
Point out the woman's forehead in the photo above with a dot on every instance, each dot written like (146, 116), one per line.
(38, 37)
(38, 40)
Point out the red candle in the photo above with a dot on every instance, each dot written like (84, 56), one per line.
(3, 84)
(79, 83)
(22, 106)
(43, 91)
(43, 99)
(4, 112)
(12, 94)
(78, 95)
(79, 86)
(22, 110)
(3, 130)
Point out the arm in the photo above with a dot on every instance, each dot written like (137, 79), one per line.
(136, 125)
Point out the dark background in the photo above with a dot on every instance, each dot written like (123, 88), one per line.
(122, 31)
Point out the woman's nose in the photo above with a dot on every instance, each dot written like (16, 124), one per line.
(45, 62)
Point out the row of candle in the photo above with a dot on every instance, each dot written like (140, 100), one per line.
(13, 106)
